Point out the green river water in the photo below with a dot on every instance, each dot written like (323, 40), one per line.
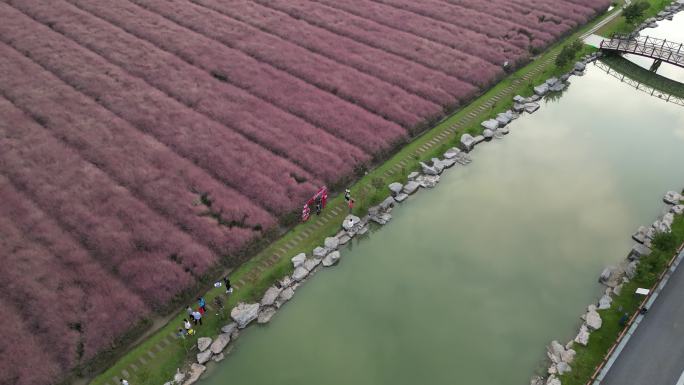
(471, 280)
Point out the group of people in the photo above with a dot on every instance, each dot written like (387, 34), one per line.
(195, 315)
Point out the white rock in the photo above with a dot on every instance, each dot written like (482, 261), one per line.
(311, 263)
(349, 222)
(541, 89)
(536, 380)
(401, 197)
(551, 81)
(554, 351)
(450, 154)
(487, 133)
(631, 269)
(270, 296)
(244, 313)
(265, 315)
(298, 260)
(518, 107)
(196, 371)
(606, 273)
(568, 356)
(467, 141)
(331, 258)
(668, 219)
(552, 380)
(491, 124)
(437, 165)
(579, 66)
(286, 281)
(582, 337)
(203, 344)
(593, 320)
(531, 107)
(179, 376)
(504, 118)
(640, 234)
(428, 170)
(218, 357)
(387, 204)
(563, 367)
(229, 328)
(319, 252)
(428, 181)
(639, 251)
(203, 357)
(677, 209)
(220, 343)
(519, 99)
(344, 239)
(478, 139)
(331, 243)
(672, 197)
(395, 188)
(300, 273)
(617, 289)
(413, 175)
(286, 295)
(604, 302)
(411, 187)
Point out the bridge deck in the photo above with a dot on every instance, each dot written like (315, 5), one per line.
(659, 49)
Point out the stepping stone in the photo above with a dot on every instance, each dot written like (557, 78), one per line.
(134, 367)
(125, 374)
(142, 360)
(151, 354)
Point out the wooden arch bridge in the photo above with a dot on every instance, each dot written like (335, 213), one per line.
(659, 49)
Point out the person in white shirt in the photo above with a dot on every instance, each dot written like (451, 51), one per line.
(124, 382)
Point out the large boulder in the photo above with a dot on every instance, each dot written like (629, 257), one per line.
(604, 302)
(504, 118)
(318, 252)
(349, 222)
(401, 197)
(270, 296)
(265, 315)
(300, 273)
(640, 234)
(519, 99)
(428, 181)
(331, 243)
(491, 124)
(413, 175)
(478, 139)
(437, 165)
(579, 66)
(178, 377)
(411, 187)
(677, 209)
(204, 357)
(563, 367)
(536, 380)
(630, 270)
(672, 197)
(229, 328)
(331, 258)
(387, 204)
(196, 371)
(467, 141)
(395, 188)
(298, 260)
(593, 320)
(203, 343)
(558, 87)
(552, 380)
(220, 343)
(551, 81)
(449, 154)
(244, 313)
(638, 251)
(531, 107)
(582, 337)
(541, 89)
(554, 351)
(381, 219)
(286, 294)
(606, 274)
(428, 170)
(487, 133)
(311, 263)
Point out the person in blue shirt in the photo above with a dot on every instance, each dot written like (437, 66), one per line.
(202, 303)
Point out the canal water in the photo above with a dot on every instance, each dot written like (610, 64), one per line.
(470, 280)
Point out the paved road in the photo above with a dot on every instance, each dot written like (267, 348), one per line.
(655, 353)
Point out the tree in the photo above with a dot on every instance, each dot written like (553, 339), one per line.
(568, 53)
(635, 11)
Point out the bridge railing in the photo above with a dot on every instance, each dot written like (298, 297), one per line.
(660, 49)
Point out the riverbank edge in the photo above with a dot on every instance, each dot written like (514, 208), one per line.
(606, 322)
(261, 271)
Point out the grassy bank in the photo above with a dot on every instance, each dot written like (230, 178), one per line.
(650, 268)
(254, 276)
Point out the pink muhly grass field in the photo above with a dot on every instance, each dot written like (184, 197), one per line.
(145, 143)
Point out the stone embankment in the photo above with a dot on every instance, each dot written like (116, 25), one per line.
(666, 14)
(613, 277)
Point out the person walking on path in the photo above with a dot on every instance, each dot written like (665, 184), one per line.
(189, 311)
(202, 304)
(229, 289)
(347, 195)
(197, 317)
(351, 205)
